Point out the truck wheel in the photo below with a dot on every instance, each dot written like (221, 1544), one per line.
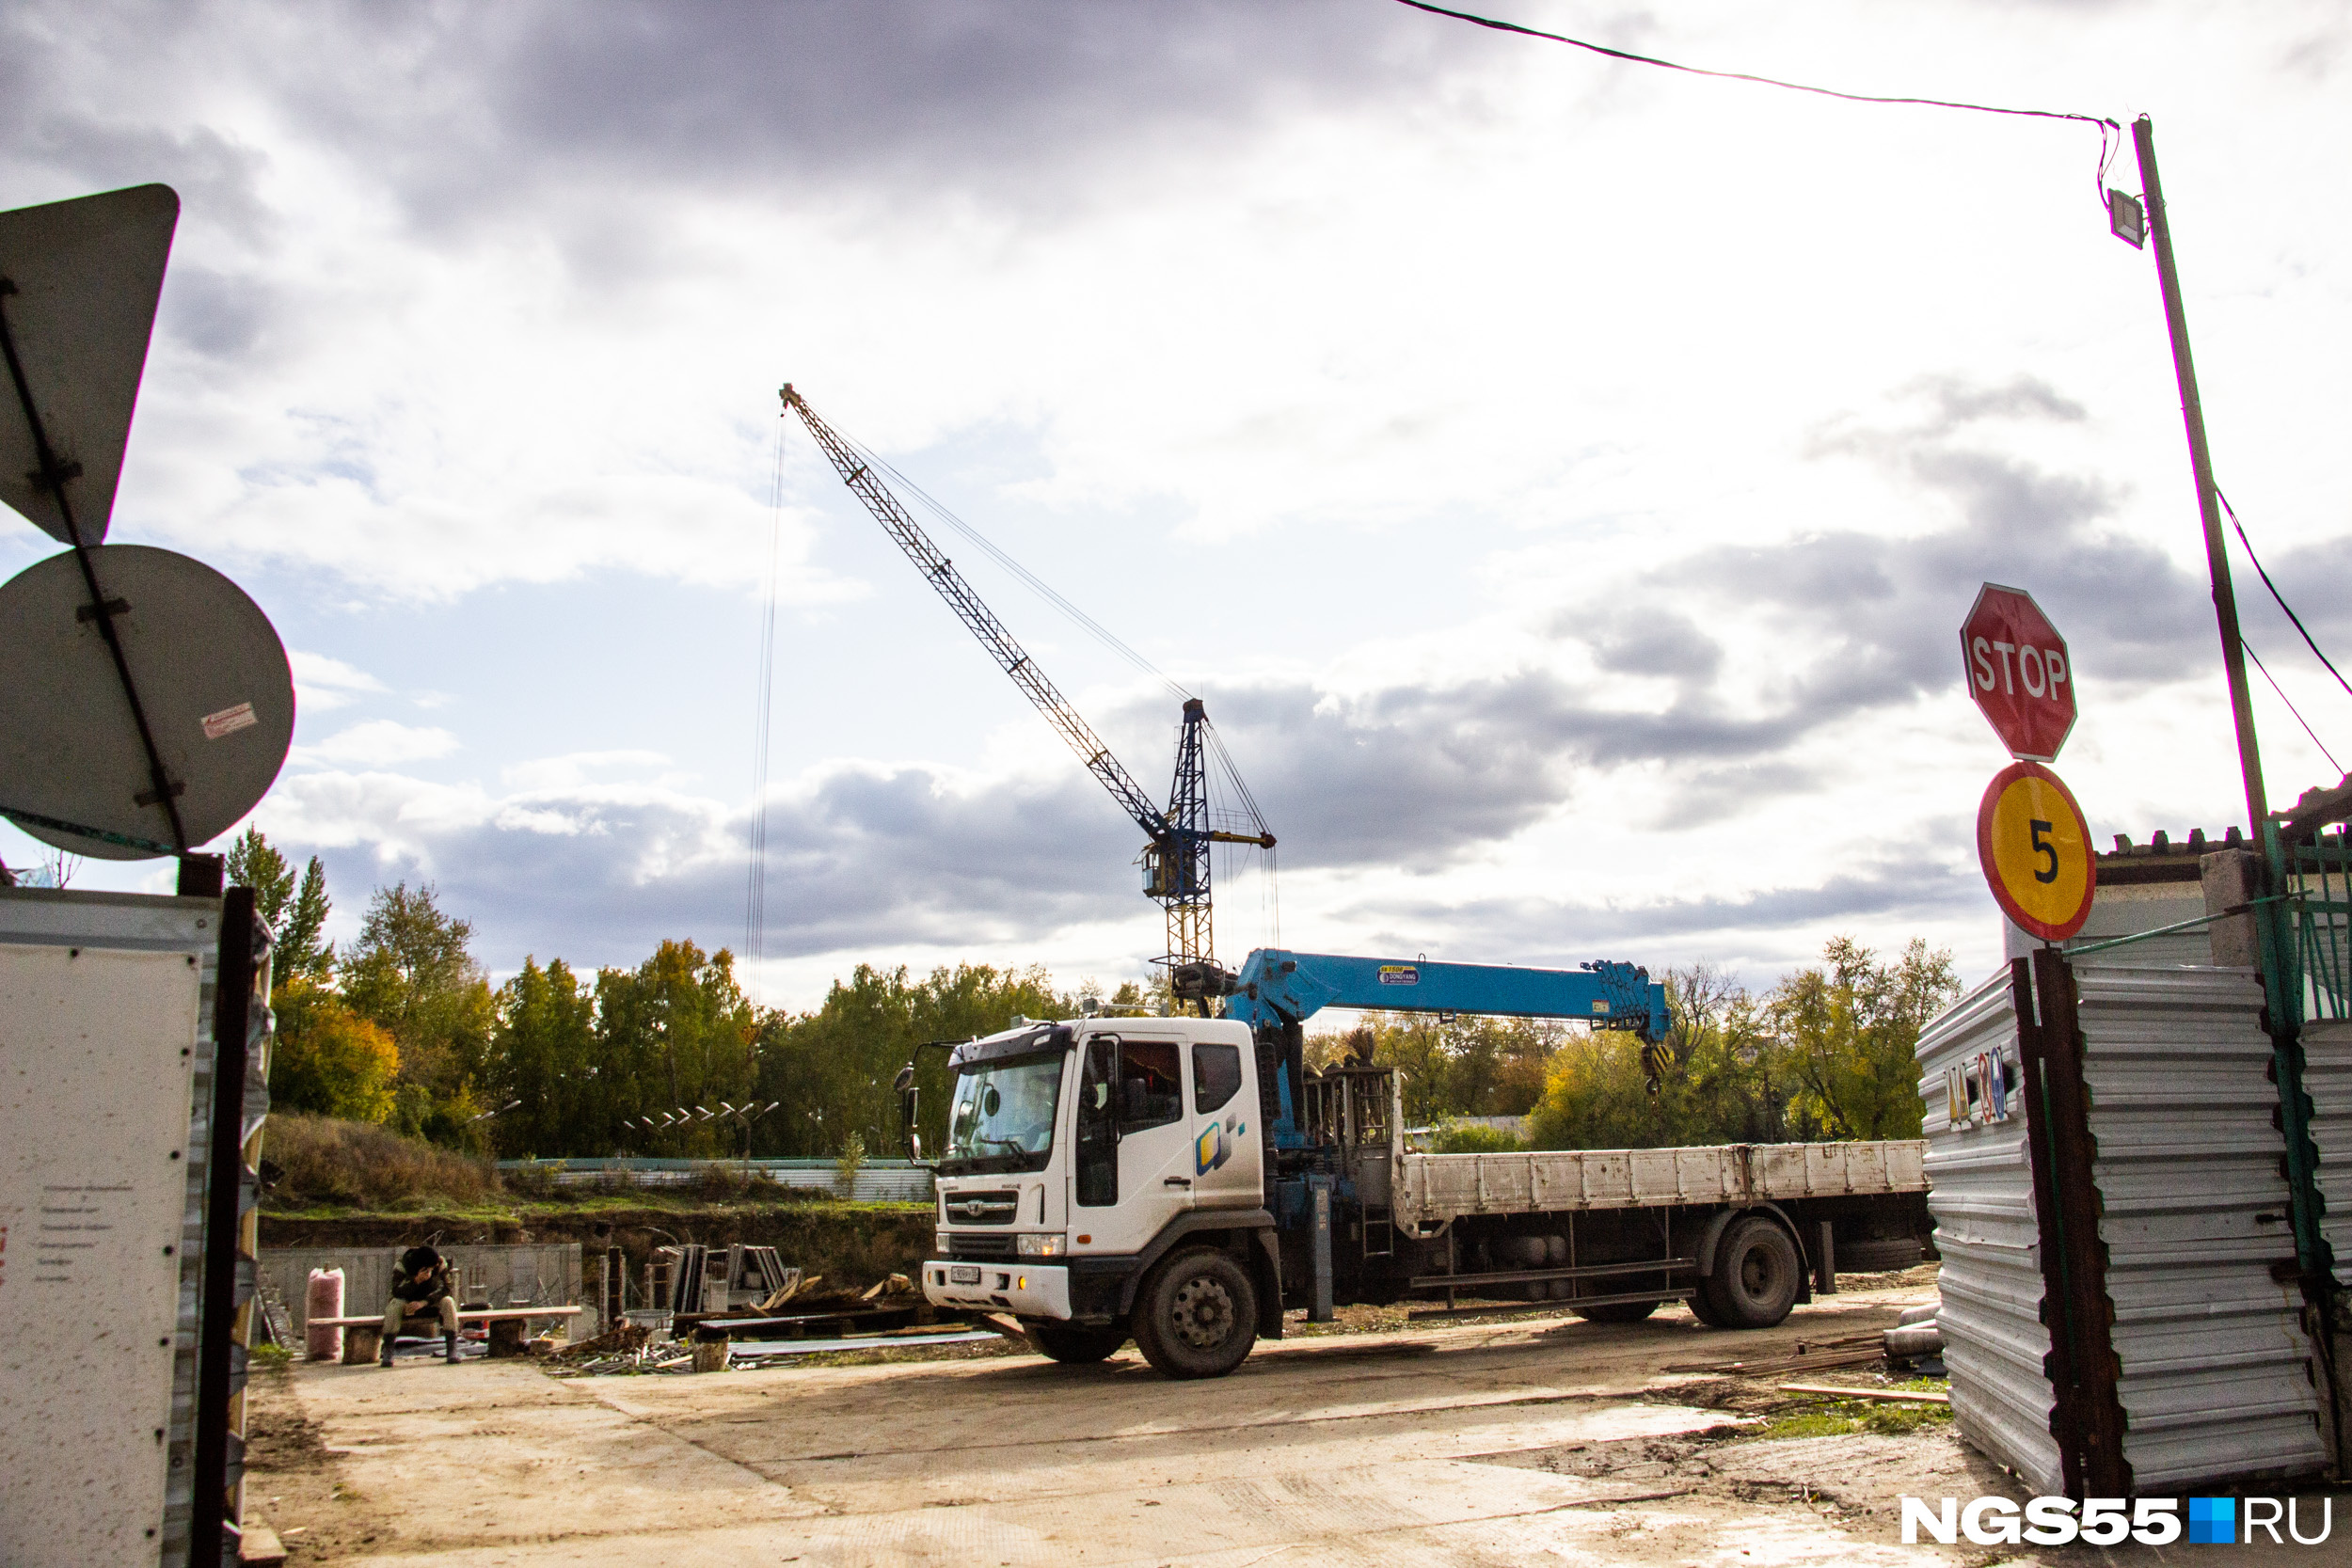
(1616, 1311)
(1702, 1309)
(1755, 1282)
(1073, 1345)
(1197, 1315)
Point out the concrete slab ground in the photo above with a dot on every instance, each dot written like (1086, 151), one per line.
(1543, 1441)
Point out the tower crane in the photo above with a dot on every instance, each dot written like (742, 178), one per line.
(1176, 856)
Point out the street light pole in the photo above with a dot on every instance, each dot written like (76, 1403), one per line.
(2201, 465)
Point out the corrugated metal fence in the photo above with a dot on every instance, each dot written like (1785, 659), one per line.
(2328, 1079)
(2217, 1374)
(501, 1276)
(1980, 1191)
(877, 1181)
(2217, 1371)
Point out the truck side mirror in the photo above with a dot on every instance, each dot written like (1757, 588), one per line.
(905, 1084)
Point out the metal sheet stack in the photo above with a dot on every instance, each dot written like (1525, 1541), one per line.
(2218, 1380)
(1980, 1191)
(2328, 1080)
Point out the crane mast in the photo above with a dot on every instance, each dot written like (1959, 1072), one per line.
(1176, 861)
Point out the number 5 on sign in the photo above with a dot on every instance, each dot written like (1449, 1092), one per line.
(2035, 847)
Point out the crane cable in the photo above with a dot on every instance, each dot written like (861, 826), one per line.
(1029, 579)
(1077, 616)
(755, 895)
(1269, 895)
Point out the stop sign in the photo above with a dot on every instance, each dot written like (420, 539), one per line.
(2018, 672)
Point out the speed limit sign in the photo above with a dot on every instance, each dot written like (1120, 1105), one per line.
(2035, 847)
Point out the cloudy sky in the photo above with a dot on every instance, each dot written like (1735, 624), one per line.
(1562, 479)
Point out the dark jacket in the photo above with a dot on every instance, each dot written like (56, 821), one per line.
(421, 1277)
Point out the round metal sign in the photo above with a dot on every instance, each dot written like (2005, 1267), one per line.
(2035, 847)
(211, 675)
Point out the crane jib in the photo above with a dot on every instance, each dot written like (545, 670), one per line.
(1178, 862)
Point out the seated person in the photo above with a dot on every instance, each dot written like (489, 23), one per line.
(421, 1287)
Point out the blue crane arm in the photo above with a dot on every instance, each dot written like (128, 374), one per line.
(1275, 988)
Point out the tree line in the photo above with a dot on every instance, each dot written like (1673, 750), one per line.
(401, 1027)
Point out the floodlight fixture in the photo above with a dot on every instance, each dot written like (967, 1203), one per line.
(2127, 219)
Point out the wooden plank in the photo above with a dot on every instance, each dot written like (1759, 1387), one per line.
(1900, 1396)
(476, 1316)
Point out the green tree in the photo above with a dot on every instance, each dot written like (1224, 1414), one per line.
(831, 1069)
(677, 1031)
(1847, 1034)
(1465, 1067)
(412, 973)
(297, 913)
(546, 1053)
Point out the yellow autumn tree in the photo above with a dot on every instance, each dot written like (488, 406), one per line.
(327, 1059)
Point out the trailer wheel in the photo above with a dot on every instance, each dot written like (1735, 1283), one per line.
(1755, 1282)
(1075, 1345)
(1197, 1315)
(1615, 1311)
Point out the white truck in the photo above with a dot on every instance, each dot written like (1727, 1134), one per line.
(1182, 1181)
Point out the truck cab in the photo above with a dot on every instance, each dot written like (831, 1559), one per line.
(1084, 1161)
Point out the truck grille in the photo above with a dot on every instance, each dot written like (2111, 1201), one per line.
(975, 1248)
(981, 1208)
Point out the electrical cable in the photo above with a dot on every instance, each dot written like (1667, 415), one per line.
(2107, 127)
(2274, 594)
(2248, 648)
(1744, 76)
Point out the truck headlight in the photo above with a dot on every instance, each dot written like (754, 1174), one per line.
(1040, 1246)
(940, 1241)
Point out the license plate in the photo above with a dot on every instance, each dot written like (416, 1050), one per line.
(963, 1274)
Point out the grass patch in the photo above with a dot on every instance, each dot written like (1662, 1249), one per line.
(324, 1163)
(1821, 1415)
(269, 1358)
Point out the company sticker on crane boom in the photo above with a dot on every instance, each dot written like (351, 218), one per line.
(2035, 847)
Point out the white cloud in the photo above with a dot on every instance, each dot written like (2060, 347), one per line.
(322, 683)
(1563, 479)
(378, 743)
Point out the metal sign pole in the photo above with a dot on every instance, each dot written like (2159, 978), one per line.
(241, 946)
(2201, 465)
(2087, 1418)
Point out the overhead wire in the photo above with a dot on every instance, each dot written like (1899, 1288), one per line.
(2107, 128)
(2281, 691)
(2278, 597)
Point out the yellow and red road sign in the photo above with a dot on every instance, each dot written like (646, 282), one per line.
(2035, 847)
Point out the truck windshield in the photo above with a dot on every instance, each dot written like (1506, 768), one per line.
(1003, 1114)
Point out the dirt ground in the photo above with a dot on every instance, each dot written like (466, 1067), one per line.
(1517, 1441)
